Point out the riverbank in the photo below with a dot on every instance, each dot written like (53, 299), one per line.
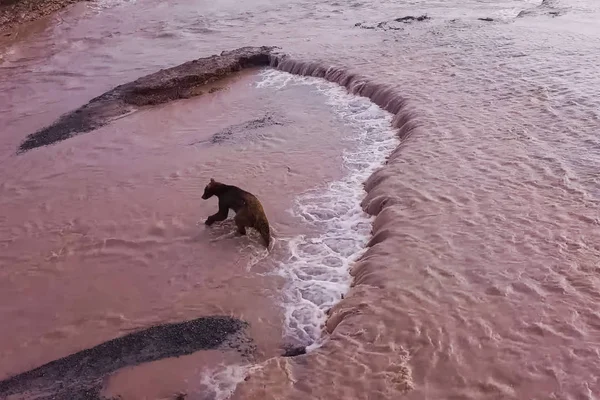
(16, 12)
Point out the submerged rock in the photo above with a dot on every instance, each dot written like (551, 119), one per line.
(234, 132)
(410, 18)
(294, 351)
(180, 82)
(389, 25)
(548, 7)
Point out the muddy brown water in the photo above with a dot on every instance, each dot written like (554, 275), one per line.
(483, 276)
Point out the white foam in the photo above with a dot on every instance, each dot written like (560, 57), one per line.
(220, 382)
(106, 4)
(317, 268)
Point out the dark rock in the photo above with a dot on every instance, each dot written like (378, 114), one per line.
(242, 344)
(180, 82)
(410, 18)
(81, 375)
(487, 19)
(294, 351)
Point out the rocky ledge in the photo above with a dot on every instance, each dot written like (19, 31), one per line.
(180, 82)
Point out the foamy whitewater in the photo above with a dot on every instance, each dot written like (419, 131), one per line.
(220, 383)
(317, 270)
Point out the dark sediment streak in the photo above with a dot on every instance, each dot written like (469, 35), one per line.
(180, 82)
(231, 133)
(80, 375)
(410, 18)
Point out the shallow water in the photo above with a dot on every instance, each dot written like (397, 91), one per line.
(482, 278)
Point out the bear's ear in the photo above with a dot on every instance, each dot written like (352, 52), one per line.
(212, 180)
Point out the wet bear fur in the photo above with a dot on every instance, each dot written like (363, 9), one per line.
(249, 212)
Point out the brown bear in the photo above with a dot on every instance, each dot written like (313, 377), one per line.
(248, 210)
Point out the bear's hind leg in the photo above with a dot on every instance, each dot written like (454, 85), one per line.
(241, 222)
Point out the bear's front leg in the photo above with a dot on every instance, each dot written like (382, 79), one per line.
(219, 216)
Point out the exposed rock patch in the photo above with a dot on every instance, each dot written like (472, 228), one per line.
(81, 375)
(15, 12)
(180, 82)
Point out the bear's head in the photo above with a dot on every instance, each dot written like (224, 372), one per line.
(209, 190)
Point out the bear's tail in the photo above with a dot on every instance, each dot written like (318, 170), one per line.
(262, 226)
